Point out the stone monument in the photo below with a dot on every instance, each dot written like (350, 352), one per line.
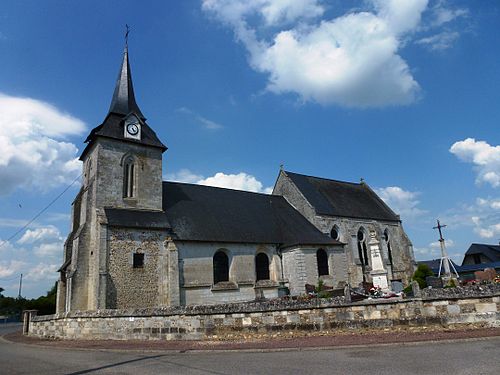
(378, 272)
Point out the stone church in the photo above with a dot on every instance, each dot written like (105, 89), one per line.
(137, 241)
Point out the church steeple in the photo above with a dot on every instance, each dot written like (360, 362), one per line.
(123, 101)
(124, 121)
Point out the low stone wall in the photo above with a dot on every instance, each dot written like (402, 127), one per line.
(206, 322)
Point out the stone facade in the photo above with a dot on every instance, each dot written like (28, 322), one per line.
(224, 321)
(124, 251)
(399, 266)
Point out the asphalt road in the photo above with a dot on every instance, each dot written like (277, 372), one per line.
(464, 357)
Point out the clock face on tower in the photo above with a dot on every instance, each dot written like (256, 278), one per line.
(132, 128)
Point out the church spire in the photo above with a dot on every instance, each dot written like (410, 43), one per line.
(123, 101)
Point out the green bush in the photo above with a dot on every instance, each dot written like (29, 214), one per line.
(421, 273)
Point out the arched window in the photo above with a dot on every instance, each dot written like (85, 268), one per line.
(322, 259)
(221, 267)
(129, 178)
(335, 233)
(388, 243)
(362, 248)
(262, 266)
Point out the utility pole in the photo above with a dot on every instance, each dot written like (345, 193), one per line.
(20, 286)
(445, 260)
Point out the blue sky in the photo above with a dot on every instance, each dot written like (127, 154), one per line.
(400, 93)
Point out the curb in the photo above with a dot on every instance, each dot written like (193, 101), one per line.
(256, 350)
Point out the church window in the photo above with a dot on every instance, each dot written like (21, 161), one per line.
(335, 234)
(362, 248)
(388, 242)
(262, 266)
(138, 260)
(322, 259)
(129, 178)
(221, 267)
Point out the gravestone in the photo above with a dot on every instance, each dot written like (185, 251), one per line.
(396, 286)
(416, 289)
(434, 282)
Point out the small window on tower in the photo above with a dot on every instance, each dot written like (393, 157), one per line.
(138, 260)
(129, 178)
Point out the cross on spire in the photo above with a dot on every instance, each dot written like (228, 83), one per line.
(438, 227)
(127, 31)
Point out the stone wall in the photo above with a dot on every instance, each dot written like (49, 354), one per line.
(196, 272)
(403, 260)
(206, 322)
(129, 287)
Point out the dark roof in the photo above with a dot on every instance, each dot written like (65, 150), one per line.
(123, 101)
(136, 218)
(122, 105)
(435, 263)
(434, 266)
(338, 198)
(204, 213)
(478, 267)
(492, 252)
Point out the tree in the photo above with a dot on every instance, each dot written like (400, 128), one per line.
(1, 291)
(421, 273)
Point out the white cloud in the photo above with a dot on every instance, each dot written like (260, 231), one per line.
(184, 175)
(239, 181)
(43, 272)
(401, 201)
(51, 249)
(43, 234)
(34, 153)
(47, 241)
(448, 242)
(350, 60)
(487, 226)
(272, 12)
(442, 14)
(426, 253)
(10, 268)
(484, 157)
(440, 41)
(14, 223)
(206, 123)
(490, 203)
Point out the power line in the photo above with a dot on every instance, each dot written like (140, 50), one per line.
(40, 212)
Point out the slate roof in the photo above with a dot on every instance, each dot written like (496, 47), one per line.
(122, 104)
(434, 265)
(136, 218)
(338, 198)
(204, 213)
(123, 101)
(492, 252)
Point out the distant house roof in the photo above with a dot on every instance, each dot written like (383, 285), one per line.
(204, 213)
(434, 266)
(338, 198)
(492, 252)
(435, 263)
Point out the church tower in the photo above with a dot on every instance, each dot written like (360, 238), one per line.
(123, 156)
(122, 169)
